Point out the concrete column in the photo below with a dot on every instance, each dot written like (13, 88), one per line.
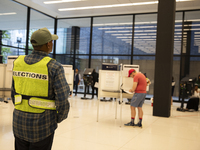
(164, 58)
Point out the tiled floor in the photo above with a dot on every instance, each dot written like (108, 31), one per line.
(81, 131)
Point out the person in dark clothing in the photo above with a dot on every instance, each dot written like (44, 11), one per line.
(77, 79)
(95, 79)
(198, 81)
(173, 86)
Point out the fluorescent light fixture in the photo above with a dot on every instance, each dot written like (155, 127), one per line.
(61, 1)
(116, 34)
(10, 13)
(178, 29)
(104, 28)
(120, 34)
(126, 39)
(194, 25)
(125, 31)
(112, 24)
(141, 34)
(150, 22)
(123, 37)
(191, 29)
(178, 25)
(148, 27)
(108, 6)
(193, 20)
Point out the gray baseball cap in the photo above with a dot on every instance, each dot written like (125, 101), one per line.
(42, 36)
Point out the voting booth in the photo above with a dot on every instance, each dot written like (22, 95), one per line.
(6, 77)
(69, 75)
(2, 81)
(88, 80)
(115, 83)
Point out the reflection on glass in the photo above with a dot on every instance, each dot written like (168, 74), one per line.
(96, 62)
(74, 36)
(194, 67)
(112, 35)
(8, 51)
(176, 74)
(147, 65)
(178, 34)
(37, 21)
(13, 26)
(145, 34)
(191, 37)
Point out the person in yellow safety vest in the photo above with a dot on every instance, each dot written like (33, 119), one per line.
(39, 93)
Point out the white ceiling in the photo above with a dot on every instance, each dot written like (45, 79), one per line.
(38, 20)
(52, 9)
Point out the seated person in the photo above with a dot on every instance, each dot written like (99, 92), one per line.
(193, 102)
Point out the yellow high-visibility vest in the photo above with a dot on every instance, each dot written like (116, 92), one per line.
(32, 81)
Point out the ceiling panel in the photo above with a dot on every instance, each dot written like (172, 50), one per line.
(53, 8)
(19, 20)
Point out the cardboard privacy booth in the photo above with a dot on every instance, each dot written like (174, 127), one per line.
(69, 75)
(6, 77)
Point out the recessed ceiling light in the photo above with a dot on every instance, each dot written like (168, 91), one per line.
(108, 6)
(114, 5)
(10, 13)
(61, 1)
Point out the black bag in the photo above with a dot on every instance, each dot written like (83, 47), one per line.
(193, 103)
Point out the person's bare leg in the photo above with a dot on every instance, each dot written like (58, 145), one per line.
(133, 112)
(140, 112)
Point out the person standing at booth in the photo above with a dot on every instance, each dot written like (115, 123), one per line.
(95, 76)
(39, 93)
(77, 79)
(139, 87)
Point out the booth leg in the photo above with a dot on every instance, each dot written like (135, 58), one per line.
(98, 109)
(116, 110)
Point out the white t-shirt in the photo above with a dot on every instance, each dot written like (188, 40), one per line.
(196, 94)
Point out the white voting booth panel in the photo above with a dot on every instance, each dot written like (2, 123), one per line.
(2, 79)
(8, 81)
(8, 76)
(111, 83)
(69, 75)
(2, 75)
(108, 84)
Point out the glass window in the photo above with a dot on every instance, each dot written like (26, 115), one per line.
(191, 41)
(147, 65)
(194, 67)
(178, 33)
(145, 34)
(96, 62)
(39, 20)
(10, 51)
(81, 62)
(65, 59)
(176, 74)
(74, 34)
(112, 35)
(13, 24)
